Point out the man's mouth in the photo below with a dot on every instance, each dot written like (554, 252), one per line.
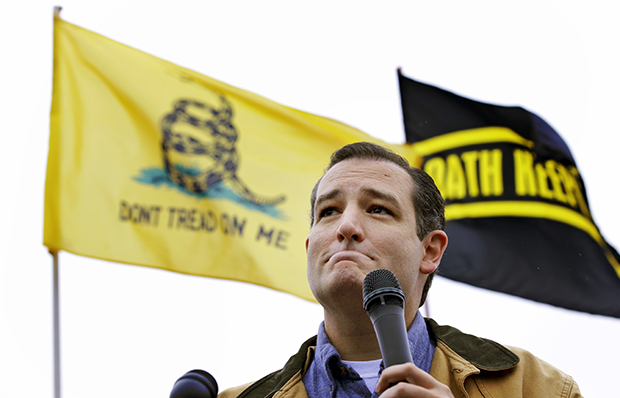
(349, 255)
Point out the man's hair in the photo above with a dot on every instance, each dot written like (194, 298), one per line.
(428, 204)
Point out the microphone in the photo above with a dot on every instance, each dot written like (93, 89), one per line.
(195, 384)
(384, 301)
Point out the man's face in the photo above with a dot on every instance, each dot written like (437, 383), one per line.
(364, 220)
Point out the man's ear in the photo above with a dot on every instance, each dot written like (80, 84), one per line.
(307, 240)
(434, 245)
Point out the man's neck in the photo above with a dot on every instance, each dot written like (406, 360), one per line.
(353, 336)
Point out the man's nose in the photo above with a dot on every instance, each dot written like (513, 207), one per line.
(350, 228)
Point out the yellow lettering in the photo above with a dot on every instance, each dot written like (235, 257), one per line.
(525, 178)
(470, 159)
(436, 168)
(491, 179)
(570, 185)
(580, 199)
(455, 178)
(543, 185)
(552, 172)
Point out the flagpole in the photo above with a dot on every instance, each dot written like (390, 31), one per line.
(56, 293)
(56, 305)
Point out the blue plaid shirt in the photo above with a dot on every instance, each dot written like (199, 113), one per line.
(328, 376)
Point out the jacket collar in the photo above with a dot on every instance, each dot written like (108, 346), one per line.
(482, 353)
(273, 382)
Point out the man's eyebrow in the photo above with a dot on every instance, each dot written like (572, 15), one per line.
(327, 196)
(388, 197)
(374, 193)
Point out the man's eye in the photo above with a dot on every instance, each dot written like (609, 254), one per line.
(327, 212)
(379, 210)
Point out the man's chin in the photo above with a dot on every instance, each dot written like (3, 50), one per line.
(346, 276)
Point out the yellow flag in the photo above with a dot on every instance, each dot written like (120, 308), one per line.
(156, 165)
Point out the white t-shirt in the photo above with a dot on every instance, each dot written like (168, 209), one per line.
(368, 370)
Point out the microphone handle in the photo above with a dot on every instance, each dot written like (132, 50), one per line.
(389, 324)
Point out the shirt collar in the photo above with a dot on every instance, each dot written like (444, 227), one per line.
(422, 347)
(328, 376)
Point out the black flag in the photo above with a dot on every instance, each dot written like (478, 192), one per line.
(517, 213)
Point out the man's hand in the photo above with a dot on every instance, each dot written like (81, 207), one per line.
(407, 380)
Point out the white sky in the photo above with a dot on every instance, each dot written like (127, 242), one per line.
(131, 331)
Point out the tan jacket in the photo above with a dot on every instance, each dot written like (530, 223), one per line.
(472, 367)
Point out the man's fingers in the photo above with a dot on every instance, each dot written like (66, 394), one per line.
(409, 380)
(406, 372)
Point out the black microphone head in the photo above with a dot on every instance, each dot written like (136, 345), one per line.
(195, 384)
(378, 279)
(381, 282)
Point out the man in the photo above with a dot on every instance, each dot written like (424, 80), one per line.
(371, 210)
